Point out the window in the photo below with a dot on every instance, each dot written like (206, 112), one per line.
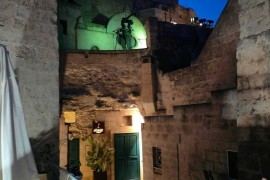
(232, 164)
(64, 26)
(127, 121)
(157, 163)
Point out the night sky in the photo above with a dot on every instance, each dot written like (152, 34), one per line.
(207, 9)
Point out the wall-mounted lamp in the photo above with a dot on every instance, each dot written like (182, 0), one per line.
(70, 136)
(70, 117)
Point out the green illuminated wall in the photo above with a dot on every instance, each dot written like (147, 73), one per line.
(90, 35)
(88, 39)
(68, 13)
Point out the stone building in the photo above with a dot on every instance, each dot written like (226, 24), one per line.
(204, 119)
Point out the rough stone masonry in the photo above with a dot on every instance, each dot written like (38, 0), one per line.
(29, 31)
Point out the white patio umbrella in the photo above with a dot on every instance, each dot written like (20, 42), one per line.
(16, 158)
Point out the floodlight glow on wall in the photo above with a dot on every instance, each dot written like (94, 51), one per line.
(137, 120)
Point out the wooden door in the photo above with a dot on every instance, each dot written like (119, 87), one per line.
(127, 156)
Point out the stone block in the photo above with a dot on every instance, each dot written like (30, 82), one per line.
(149, 108)
(223, 158)
(246, 4)
(147, 79)
(6, 24)
(224, 134)
(147, 93)
(250, 54)
(223, 146)
(24, 51)
(253, 120)
(208, 165)
(229, 111)
(220, 167)
(23, 12)
(243, 83)
(146, 68)
(212, 156)
(254, 20)
(7, 8)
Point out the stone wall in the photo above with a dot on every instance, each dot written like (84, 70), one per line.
(110, 80)
(206, 100)
(177, 14)
(29, 31)
(214, 69)
(179, 45)
(201, 100)
(253, 52)
(195, 140)
(161, 132)
(103, 86)
(115, 122)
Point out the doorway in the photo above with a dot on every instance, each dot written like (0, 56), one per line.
(74, 156)
(127, 156)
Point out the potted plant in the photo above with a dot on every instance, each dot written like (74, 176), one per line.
(99, 157)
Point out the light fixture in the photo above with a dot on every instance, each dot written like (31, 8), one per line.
(70, 136)
(194, 19)
(70, 117)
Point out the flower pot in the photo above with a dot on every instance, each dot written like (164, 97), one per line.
(100, 175)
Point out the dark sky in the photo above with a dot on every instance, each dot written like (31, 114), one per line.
(207, 9)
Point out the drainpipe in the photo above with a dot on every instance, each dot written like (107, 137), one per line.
(178, 161)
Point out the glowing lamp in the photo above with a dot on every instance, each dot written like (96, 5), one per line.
(70, 117)
(194, 19)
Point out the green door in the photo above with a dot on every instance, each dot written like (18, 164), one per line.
(127, 156)
(74, 153)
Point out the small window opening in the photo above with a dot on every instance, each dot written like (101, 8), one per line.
(232, 164)
(127, 121)
(64, 26)
(157, 163)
